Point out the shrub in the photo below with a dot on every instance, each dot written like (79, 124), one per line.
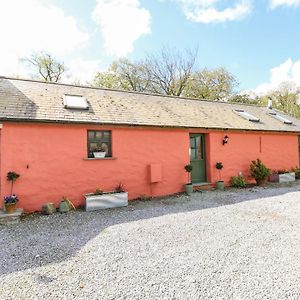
(188, 169)
(297, 172)
(238, 181)
(259, 171)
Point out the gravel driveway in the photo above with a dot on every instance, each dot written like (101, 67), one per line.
(237, 244)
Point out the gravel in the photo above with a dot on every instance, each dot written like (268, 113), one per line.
(236, 244)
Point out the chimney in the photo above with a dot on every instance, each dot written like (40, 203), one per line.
(270, 103)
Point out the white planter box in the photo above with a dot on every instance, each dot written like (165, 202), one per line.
(281, 178)
(99, 154)
(109, 200)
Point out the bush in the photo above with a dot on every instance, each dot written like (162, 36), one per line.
(238, 181)
(297, 172)
(259, 171)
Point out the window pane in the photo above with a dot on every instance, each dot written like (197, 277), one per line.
(91, 134)
(106, 134)
(98, 134)
(93, 146)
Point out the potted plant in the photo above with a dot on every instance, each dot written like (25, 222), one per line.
(99, 152)
(259, 171)
(102, 200)
(11, 200)
(220, 183)
(189, 185)
(281, 176)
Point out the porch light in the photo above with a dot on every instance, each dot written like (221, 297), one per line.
(225, 140)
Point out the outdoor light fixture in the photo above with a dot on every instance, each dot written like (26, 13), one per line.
(225, 140)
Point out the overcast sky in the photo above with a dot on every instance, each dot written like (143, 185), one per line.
(257, 40)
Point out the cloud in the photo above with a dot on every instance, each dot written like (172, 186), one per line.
(276, 3)
(288, 71)
(206, 11)
(35, 25)
(121, 22)
(81, 70)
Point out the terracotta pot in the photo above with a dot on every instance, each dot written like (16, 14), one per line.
(261, 182)
(10, 208)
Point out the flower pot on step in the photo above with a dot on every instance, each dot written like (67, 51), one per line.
(220, 185)
(189, 188)
(10, 208)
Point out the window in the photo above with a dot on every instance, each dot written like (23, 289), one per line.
(99, 143)
(280, 118)
(75, 102)
(246, 115)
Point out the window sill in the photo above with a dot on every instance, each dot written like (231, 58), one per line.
(101, 158)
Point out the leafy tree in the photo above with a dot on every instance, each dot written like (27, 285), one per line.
(166, 73)
(217, 84)
(46, 66)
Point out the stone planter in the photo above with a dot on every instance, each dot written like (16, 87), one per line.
(220, 185)
(189, 188)
(106, 200)
(281, 178)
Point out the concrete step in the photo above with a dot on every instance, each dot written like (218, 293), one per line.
(6, 218)
(202, 186)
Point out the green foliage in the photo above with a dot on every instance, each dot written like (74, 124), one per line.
(188, 168)
(238, 181)
(297, 172)
(259, 171)
(98, 191)
(216, 84)
(12, 176)
(219, 166)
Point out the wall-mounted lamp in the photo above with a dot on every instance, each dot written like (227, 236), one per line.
(225, 140)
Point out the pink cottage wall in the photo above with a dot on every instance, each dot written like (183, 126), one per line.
(52, 159)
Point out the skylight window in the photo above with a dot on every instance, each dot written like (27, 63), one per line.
(75, 102)
(246, 115)
(280, 118)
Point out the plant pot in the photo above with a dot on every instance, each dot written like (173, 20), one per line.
(10, 208)
(261, 182)
(189, 188)
(99, 154)
(220, 185)
(64, 207)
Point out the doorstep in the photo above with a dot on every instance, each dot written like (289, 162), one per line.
(6, 218)
(202, 186)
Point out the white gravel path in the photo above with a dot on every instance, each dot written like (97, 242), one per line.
(214, 245)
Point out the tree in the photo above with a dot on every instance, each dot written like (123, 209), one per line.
(217, 84)
(166, 73)
(125, 75)
(46, 66)
(285, 98)
(169, 71)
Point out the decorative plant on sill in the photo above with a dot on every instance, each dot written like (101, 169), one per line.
(220, 183)
(11, 200)
(189, 185)
(100, 152)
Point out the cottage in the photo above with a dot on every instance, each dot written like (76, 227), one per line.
(68, 140)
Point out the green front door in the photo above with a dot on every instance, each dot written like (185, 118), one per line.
(197, 157)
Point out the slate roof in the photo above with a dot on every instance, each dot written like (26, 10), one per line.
(28, 100)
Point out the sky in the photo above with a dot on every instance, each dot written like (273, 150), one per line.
(256, 40)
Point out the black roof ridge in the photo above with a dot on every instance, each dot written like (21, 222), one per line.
(129, 92)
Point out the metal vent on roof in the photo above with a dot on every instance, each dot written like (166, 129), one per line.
(246, 115)
(75, 102)
(280, 118)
